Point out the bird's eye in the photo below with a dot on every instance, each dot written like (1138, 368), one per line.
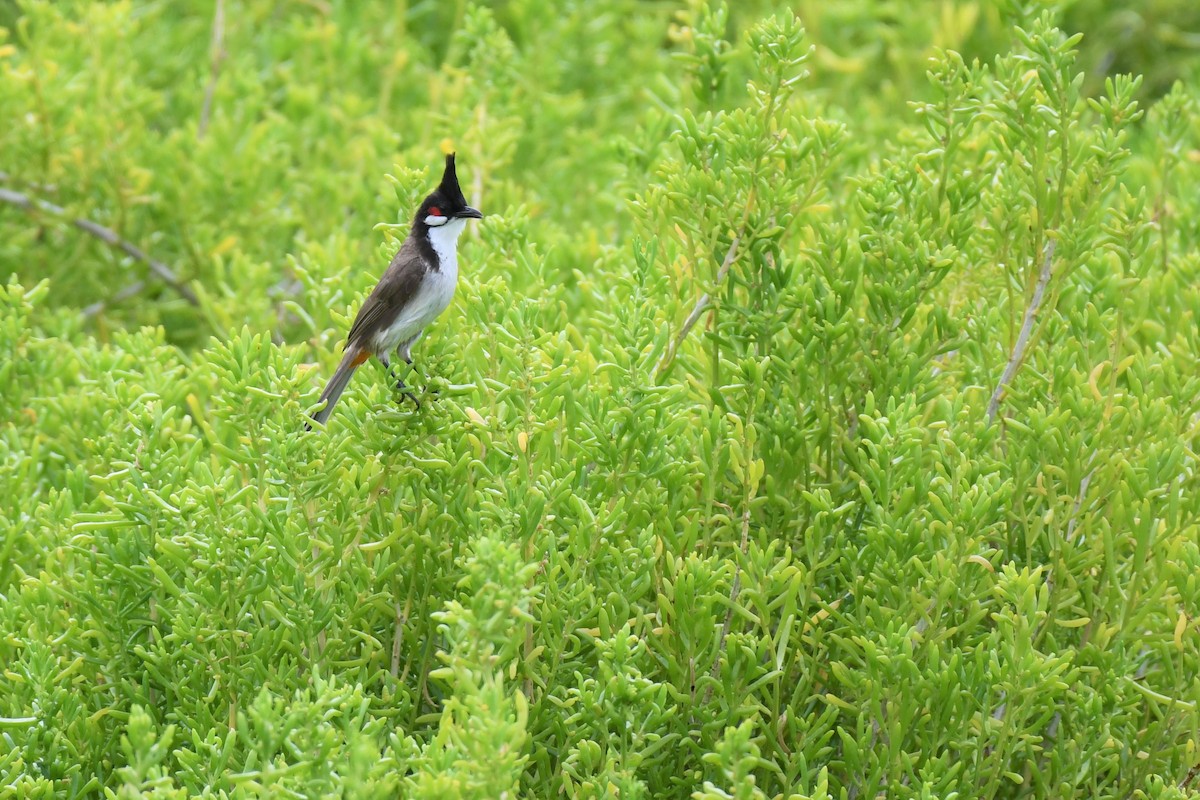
(437, 212)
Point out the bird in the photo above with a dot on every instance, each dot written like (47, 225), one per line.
(415, 289)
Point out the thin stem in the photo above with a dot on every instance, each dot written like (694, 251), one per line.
(1018, 352)
(705, 300)
(701, 304)
(734, 591)
(44, 188)
(481, 119)
(216, 56)
(109, 237)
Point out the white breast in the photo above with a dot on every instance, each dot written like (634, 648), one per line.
(445, 243)
(435, 294)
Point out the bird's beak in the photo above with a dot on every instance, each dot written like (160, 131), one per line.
(471, 213)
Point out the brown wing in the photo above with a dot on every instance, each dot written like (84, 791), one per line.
(395, 289)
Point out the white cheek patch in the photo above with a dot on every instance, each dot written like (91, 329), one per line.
(433, 220)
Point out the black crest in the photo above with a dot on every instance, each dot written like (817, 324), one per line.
(449, 187)
(447, 199)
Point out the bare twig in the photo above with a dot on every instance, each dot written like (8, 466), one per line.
(477, 189)
(1083, 487)
(216, 56)
(398, 637)
(45, 188)
(734, 591)
(1186, 783)
(481, 119)
(129, 291)
(1018, 353)
(705, 299)
(109, 237)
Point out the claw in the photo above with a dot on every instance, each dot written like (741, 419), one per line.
(401, 387)
(406, 394)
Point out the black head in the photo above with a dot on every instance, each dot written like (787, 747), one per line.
(446, 203)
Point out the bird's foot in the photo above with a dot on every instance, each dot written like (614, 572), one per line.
(406, 394)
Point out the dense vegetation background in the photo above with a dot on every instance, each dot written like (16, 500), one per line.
(817, 416)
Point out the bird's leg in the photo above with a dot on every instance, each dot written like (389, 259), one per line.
(398, 381)
(426, 389)
(402, 387)
(405, 353)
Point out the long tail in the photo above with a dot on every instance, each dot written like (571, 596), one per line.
(337, 384)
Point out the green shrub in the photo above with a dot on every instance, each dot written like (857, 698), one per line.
(817, 416)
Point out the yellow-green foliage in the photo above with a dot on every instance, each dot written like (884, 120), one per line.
(911, 509)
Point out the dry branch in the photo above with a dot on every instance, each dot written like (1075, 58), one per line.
(109, 237)
(216, 56)
(734, 591)
(38, 187)
(1018, 352)
(701, 305)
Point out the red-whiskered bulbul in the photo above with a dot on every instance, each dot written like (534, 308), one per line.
(416, 287)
